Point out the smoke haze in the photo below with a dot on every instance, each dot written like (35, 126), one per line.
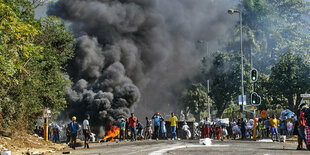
(134, 55)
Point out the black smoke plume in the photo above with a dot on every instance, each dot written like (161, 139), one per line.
(134, 55)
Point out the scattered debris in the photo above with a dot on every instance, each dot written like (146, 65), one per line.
(28, 144)
(6, 152)
(5, 133)
(205, 141)
(66, 152)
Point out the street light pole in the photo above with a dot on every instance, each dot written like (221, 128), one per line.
(231, 11)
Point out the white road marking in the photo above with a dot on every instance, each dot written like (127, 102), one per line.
(144, 150)
(160, 152)
(179, 146)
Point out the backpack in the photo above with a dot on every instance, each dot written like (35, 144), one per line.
(74, 127)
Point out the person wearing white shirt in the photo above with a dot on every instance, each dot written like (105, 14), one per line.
(186, 129)
(86, 131)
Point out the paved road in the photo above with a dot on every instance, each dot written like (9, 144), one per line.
(191, 147)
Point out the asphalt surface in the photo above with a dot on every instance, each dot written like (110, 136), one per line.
(191, 147)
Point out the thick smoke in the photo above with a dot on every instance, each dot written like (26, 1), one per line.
(136, 54)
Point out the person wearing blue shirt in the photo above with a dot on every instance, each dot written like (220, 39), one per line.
(157, 117)
(122, 129)
(74, 127)
(163, 128)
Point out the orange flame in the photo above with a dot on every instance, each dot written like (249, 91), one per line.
(113, 132)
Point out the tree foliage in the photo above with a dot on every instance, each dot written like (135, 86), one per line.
(196, 98)
(33, 54)
(273, 27)
(225, 76)
(276, 39)
(290, 77)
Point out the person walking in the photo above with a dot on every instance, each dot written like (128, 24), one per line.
(132, 126)
(122, 129)
(74, 127)
(274, 124)
(86, 131)
(307, 127)
(173, 125)
(157, 117)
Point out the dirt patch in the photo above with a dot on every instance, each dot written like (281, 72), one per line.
(24, 144)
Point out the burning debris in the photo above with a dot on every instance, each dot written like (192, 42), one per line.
(125, 47)
(112, 133)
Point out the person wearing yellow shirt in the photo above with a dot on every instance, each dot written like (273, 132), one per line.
(273, 124)
(173, 124)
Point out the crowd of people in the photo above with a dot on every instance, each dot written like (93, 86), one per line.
(133, 129)
(263, 127)
(53, 133)
(155, 128)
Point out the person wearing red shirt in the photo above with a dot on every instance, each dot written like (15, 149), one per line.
(301, 129)
(132, 126)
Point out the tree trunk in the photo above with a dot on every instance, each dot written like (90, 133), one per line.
(290, 99)
(298, 99)
(197, 116)
(219, 113)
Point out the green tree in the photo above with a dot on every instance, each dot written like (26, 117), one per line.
(33, 54)
(262, 88)
(196, 99)
(290, 77)
(225, 76)
(272, 27)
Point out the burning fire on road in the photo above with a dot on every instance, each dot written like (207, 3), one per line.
(111, 134)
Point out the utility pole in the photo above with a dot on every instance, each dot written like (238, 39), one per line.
(232, 11)
(208, 90)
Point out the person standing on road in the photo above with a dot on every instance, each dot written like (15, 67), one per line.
(157, 117)
(283, 127)
(267, 126)
(68, 134)
(307, 127)
(148, 129)
(74, 127)
(206, 128)
(163, 128)
(86, 131)
(126, 129)
(273, 124)
(186, 130)
(243, 129)
(140, 130)
(261, 127)
(173, 124)
(132, 126)
(301, 129)
(55, 133)
(122, 129)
